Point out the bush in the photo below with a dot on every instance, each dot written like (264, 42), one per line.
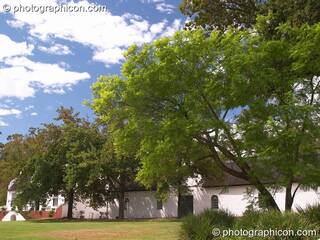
(51, 213)
(249, 219)
(311, 213)
(288, 220)
(200, 227)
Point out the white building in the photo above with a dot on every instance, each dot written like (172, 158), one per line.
(229, 194)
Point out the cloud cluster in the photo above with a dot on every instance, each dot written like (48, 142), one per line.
(106, 34)
(20, 76)
(8, 112)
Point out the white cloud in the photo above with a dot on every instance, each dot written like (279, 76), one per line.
(158, 27)
(106, 34)
(9, 48)
(169, 31)
(22, 77)
(165, 8)
(28, 107)
(33, 114)
(161, 6)
(109, 56)
(57, 49)
(7, 112)
(3, 124)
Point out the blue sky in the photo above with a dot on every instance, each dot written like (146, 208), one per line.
(52, 59)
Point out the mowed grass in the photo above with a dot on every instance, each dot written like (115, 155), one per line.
(126, 230)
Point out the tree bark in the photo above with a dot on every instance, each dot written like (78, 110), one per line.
(289, 199)
(37, 205)
(70, 204)
(244, 174)
(122, 203)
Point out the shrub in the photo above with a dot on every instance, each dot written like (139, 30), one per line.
(51, 213)
(249, 219)
(284, 221)
(200, 227)
(312, 213)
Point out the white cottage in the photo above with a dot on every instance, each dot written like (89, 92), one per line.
(229, 194)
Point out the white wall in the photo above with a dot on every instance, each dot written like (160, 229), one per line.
(10, 195)
(87, 212)
(231, 199)
(235, 200)
(143, 204)
(7, 218)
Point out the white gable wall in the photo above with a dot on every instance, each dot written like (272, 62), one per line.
(235, 200)
(10, 214)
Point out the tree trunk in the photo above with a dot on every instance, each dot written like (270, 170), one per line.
(70, 203)
(179, 204)
(268, 198)
(244, 174)
(122, 202)
(289, 197)
(37, 205)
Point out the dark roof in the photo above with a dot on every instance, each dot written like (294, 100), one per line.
(223, 181)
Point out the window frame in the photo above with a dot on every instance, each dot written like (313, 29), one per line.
(214, 202)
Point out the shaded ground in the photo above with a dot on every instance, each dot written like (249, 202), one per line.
(128, 230)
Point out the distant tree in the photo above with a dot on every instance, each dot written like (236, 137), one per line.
(11, 161)
(65, 162)
(221, 14)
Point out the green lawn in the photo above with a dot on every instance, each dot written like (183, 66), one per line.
(128, 230)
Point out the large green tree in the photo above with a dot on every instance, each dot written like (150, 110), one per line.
(232, 99)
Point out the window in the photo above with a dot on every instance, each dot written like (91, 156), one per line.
(159, 204)
(126, 203)
(55, 201)
(214, 202)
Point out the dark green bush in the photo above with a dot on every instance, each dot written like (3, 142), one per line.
(249, 219)
(312, 213)
(287, 220)
(200, 227)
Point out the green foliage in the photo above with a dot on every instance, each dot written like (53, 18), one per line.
(312, 213)
(11, 160)
(59, 159)
(264, 15)
(193, 102)
(200, 227)
(221, 14)
(287, 220)
(51, 213)
(248, 220)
